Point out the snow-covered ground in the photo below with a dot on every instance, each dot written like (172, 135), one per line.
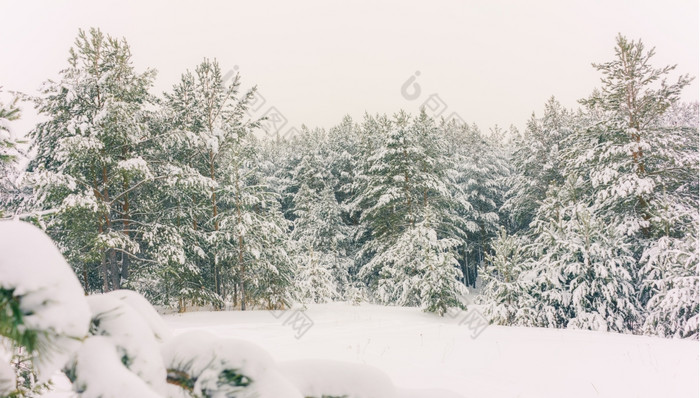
(423, 351)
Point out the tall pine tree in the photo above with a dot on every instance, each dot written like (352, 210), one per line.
(87, 168)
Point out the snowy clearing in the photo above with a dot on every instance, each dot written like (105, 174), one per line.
(423, 351)
(419, 350)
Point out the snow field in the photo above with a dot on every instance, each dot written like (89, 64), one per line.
(425, 353)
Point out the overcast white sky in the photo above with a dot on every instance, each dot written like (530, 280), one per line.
(491, 61)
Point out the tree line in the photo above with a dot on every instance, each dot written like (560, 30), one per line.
(586, 219)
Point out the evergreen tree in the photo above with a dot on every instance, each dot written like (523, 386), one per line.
(315, 282)
(370, 136)
(404, 200)
(669, 271)
(476, 181)
(418, 270)
(641, 158)
(227, 216)
(322, 236)
(9, 154)
(538, 162)
(88, 168)
(628, 157)
(440, 288)
(582, 272)
(345, 151)
(256, 232)
(398, 184)
(208, 119)
(8, 113)
(507, 286)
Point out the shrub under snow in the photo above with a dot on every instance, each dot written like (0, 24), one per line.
(115, 344)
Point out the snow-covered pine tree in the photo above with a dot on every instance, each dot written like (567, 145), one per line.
(313, 168)
(345, 149)
(314, 280)
(226, 214)
(322, 236)
(681, 115)
(538, 162)
(348, 152)
(440, 286)
(418, 269)
(370, 134)
(403, 203)
(628, 157)
(459, 222)
(429, 183)
(582, 271)
(281, 159)
(670, 270)
(312, 174)
(669, 276)
(506, 291)
(88, 166)
(386, 202)
(669, 266)
(206, 148)
(8, 144)
(275, 165)
(476, 182)
(216, 126)
(175, 243)
(9, 153)
(255, 232)
(304, 159)
(641, 159)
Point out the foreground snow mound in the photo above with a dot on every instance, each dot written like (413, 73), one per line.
(98, 372)
(7, 379)
(160, 329)
(51, 299)
(132, 337)
(116, 345)
(203, 365)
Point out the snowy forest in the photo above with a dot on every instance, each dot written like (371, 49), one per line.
(585, 219)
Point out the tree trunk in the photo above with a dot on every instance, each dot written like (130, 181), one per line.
(115, 270)
(110, 258)
(483, 243)
(240, 261)
(235, 295)
(215, 214)
(105, 273)
(407, 191)
(100, 229)
(241, 264)
(465, 266)
(85, 277)
(637, 156)
(126, 259)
